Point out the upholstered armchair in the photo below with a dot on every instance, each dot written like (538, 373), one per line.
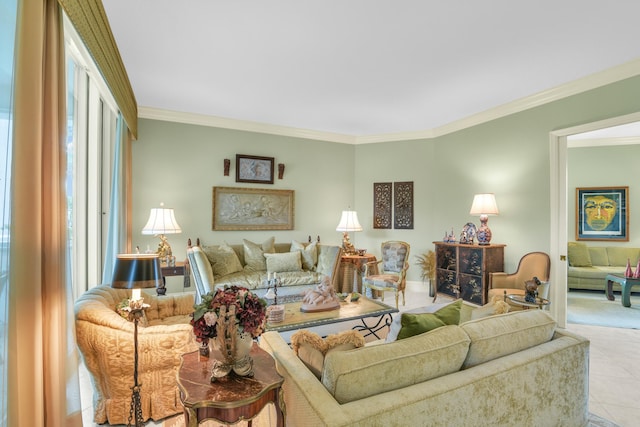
(392, 270)
(532, 264)
(106, 343)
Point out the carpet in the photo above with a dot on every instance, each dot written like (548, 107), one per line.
(178, 421)
(593, 308)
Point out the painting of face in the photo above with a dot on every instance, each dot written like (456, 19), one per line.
(602, 213)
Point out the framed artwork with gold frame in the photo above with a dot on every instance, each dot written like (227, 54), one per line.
(252, 209)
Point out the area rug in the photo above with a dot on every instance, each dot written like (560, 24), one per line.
(593, 308)
(178, 421)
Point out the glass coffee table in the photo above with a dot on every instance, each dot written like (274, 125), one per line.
(362, 310)
(537, 303)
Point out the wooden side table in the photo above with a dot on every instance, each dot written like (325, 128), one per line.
(351, 271)
(232, 398)
(180, 269)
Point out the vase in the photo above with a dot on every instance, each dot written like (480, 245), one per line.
(636, 275)
(628, 272)
(233, 346)
(204, 349)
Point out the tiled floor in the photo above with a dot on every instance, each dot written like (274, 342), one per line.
(614, 374)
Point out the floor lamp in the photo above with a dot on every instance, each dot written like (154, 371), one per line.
(136, 271)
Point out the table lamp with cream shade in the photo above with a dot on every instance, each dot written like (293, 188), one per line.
(162, 221)
(484, 205)
(136, 271)
(348, 222)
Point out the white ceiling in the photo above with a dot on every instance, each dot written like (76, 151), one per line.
(363, 67)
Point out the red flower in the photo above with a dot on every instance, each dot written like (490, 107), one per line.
(250, 312)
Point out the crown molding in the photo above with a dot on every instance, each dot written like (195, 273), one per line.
(244, 125)
(593, 81)
(603, 142)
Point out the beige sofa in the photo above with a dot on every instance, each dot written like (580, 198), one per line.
(210, 268)
(105, 340)
(515, 369)
(589, 265)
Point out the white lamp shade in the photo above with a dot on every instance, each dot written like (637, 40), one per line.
(484, 204)
(349, 222)
(161, 221)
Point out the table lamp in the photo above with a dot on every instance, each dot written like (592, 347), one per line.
(162, 221)
(136, 271)
(484, 205)
(348, 222)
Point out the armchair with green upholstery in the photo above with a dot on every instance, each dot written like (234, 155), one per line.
(532, 264)
(392, 270)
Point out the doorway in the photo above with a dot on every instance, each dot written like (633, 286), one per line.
(558, 141)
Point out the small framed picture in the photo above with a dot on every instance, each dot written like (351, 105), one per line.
(602, 213)
(254, 169)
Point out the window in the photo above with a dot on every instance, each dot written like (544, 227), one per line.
(91, 140)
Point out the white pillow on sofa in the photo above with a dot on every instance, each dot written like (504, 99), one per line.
(282, 262)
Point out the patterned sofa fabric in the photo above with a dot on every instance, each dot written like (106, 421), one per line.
(589, 265)
(487, 392)
(216, 266)
(106, 344)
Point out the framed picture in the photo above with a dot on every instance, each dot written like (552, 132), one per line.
(252, 209)
(254, 169)
(602, 213)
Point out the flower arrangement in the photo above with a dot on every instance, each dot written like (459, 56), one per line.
(250, 312)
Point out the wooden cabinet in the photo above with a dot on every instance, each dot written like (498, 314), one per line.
(462, 271)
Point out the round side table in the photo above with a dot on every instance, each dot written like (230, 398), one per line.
(519, 300)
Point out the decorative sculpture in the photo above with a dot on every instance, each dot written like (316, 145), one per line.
(321, 298)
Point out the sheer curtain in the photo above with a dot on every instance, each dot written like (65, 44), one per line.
(117, 233)
(7, 40)
(42, 361)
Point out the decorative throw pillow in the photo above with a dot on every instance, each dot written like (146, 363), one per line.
(223, 258)
(312, 349)
(496, 306)
(414, 324)
(308, 253)
(287, 261)
(578, 255)
(598, 255)
(396, 325)
(254, 254)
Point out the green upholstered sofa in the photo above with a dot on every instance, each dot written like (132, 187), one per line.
(214, 266)
(589, 265)
(515, 369)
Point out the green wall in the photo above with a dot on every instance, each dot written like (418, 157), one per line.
(611, 166)
(179, 164)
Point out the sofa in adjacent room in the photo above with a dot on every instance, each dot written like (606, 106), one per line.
(515, 369)
(106, 342)
(589, 265)
(299, 266)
